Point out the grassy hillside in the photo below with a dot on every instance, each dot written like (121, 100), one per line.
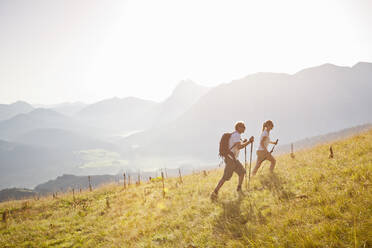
(310, 201)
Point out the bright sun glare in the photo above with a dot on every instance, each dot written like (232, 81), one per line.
(88, 51)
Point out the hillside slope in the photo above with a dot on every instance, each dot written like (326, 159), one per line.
(310, 201)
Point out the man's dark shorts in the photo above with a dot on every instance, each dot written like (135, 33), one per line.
(231, 166)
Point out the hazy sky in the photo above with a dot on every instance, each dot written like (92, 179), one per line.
(54, 51)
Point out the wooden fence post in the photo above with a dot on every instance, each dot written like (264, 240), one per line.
(90, 185)
(179, 172)
(205, 173)
(331, 152)
(73, 194)
(125, 181)
(128, 180)
(162, 179)
(107, 202)
(139, 178)
(5, 216)
(292, 154)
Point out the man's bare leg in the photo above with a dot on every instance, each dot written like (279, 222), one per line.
(241, 179)
(219, 185)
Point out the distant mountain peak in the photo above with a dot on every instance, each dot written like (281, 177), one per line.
(8, 111)
(186, 83)
(327, 67)
(21, 103)
(187, 86)
(363, 66)
(362, 63)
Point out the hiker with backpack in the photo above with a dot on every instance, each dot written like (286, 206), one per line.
(230, 146)
(262, 152)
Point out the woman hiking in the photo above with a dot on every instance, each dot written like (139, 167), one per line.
(262, 152)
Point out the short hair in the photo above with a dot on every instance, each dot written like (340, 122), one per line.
(239, 124)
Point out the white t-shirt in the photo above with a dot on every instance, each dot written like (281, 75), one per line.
(235, 137)
(264, 134)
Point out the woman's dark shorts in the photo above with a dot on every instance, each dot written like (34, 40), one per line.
(231, 166)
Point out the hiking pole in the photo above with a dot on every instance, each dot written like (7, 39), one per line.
(272, 149)
(250, 164)
(245, 164)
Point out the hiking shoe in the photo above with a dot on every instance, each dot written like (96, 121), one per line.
(214, 196)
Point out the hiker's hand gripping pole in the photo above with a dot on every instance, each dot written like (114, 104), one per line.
(276, 142)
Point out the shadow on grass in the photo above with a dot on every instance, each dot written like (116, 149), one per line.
(233, 219)
(274, 183)
(239, 217)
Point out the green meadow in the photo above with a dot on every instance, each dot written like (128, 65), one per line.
(310, 201)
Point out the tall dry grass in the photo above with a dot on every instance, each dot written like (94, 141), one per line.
(310, 201)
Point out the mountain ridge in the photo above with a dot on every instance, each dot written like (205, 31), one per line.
(8, 111)
(301, 105)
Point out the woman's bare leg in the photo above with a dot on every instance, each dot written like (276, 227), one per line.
(258, 165)
(273, 162)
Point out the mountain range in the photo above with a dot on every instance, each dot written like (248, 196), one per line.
(56, 139)
(38, 119)
(8, 111)
(184, 129)
(311, 102)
